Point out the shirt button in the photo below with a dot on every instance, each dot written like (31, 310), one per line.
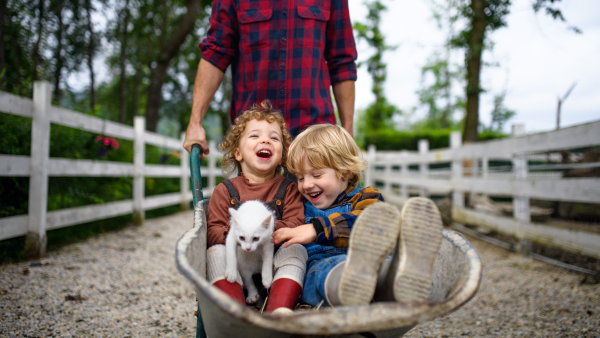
(282, 65)
(316, 13)
(284, 12)
(283, 38)
(281, 91)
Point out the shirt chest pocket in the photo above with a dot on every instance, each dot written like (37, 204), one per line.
(255, 28)
(310, 25)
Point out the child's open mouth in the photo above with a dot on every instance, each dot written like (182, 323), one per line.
(315, 195)
(264, 154)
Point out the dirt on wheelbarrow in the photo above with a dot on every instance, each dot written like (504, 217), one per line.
(125, 284)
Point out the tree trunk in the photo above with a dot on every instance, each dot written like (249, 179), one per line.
(122, 59)
(168, 51)
(475, 49)
(90, 59)
(2, 59)
(58, 52)
(136, 89)
(38, 41)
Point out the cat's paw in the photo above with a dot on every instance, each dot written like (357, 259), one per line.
(231, 275)
(252, 297)
(267, 281)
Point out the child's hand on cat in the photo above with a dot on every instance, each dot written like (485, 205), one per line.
(302, 234)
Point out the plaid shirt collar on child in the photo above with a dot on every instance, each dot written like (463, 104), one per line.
(288, 52)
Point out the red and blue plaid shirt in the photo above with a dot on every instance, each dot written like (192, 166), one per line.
(288, 52)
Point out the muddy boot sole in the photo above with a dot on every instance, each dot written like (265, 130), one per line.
(373, 237)
(419, 243)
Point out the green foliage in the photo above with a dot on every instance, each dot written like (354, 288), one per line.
(390, 139)
(377, 115)
(500, 114)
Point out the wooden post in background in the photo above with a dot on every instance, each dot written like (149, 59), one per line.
(424, 167)
(35, 240)
(521, 203)
(404, 174)
(184, 180)
(370, 165)
(139, 161)
(458, 197)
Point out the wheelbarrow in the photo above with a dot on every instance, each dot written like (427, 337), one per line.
(456, 279)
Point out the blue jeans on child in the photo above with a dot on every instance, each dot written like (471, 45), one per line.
(321, 259)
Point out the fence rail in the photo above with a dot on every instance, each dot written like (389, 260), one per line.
(39, 166)
(468, 171)
(401, 173)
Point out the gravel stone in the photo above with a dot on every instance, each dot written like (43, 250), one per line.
(125, 284)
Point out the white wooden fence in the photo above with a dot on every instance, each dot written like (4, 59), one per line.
(393, 169)
(518, 180)
(39, 166)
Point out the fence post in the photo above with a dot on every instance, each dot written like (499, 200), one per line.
(424, 166)
(404, 175)
(35, 240)
(458, 198)
(521, 203)
(212, 165)
(184, 180)
(388, 174)
(371, 153)
(484, 166)
(139, 161)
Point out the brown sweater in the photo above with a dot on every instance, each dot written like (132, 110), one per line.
(218, 207)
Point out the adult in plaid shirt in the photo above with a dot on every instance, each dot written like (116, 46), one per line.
(288, 52)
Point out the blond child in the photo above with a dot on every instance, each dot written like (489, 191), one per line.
(256, 147)
(349, 233)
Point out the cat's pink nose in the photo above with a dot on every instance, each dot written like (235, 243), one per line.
(248, 249)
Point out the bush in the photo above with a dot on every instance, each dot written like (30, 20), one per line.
(390, 139)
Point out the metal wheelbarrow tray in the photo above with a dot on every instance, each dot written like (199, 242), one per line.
(456, 278)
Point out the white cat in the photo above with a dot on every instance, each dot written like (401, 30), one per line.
(249, 244)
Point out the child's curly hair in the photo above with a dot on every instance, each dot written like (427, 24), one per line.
(327, 146)
(261, 112)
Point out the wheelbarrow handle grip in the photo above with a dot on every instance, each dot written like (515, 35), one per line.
(195, 173)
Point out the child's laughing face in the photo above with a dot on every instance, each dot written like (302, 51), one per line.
(320, 186)
(260, 150)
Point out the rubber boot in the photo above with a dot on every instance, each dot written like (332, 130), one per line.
(418, 246)
(373, 237)
(233, 290)
(284, 293)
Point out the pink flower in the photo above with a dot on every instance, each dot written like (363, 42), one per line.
(114, 143)
(106, 141)
(99, 138)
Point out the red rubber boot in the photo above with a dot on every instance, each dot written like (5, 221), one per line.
(284, 293)
(233, 290)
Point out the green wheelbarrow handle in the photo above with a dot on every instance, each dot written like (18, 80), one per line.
(198, 197)
(195, 173)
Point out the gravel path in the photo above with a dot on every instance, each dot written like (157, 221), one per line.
(126, 284)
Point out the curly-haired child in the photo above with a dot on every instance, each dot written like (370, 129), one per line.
(256, 146)
(350, 232)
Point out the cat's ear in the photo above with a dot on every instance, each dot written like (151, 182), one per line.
(266, 222)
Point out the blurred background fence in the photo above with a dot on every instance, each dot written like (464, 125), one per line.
(39, 166)
(512, 186)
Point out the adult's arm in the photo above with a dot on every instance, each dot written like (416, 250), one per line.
(344, 98)
(208, 80)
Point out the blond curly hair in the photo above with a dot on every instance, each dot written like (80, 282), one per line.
(259, 112)
(327, 146)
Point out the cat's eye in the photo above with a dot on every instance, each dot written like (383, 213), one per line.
(242, 238)
(255, 239)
